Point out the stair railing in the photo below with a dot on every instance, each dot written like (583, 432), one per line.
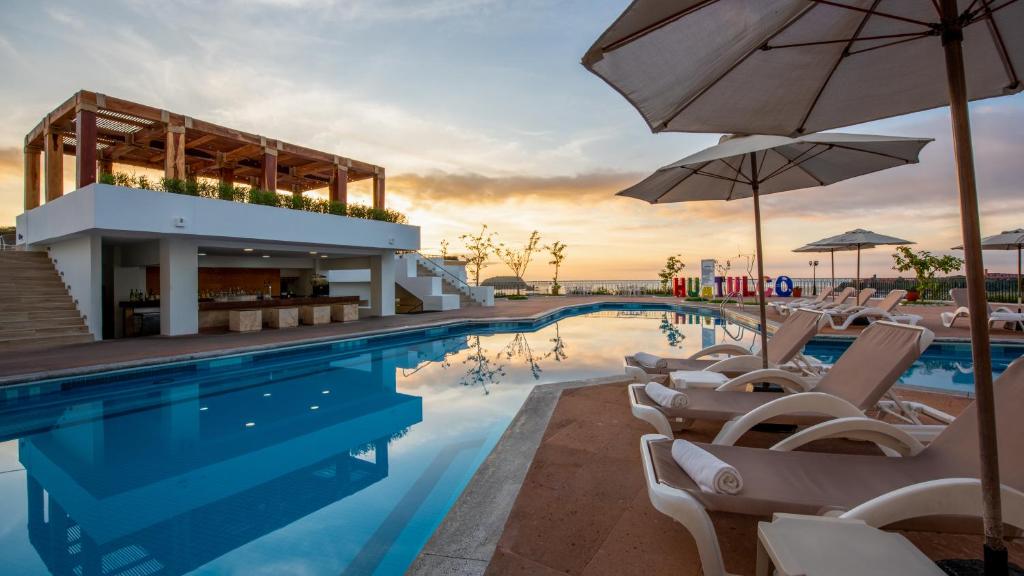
(459, 282)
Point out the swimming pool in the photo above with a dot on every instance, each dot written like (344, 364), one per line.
(320, 459)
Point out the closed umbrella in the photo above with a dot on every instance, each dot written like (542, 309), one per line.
(798, 66)
(1008, 240)
(750, 166)
(832, 255)
(858, 239)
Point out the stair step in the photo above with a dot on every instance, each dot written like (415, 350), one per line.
(62, 316)
(41, 329)
(54, 304)
(8, 323)
(44, 342)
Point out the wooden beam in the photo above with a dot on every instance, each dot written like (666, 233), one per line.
(268, 176)
(200, 140)
(174, 153)
(241, 152)
(339, 185)
(85, 147)
(54, 157)
(378, 188)
(32, 178)
(226, 174)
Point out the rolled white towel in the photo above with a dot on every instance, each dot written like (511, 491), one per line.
(650, 360)
(666, 396)
(708, 472)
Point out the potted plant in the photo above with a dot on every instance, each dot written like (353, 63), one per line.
(925, 265)
(797, 291)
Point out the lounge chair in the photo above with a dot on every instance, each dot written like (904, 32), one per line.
(862, 299)
(883, 310)
(801, 302)
(883, 490)
(859, 381)
(1001, 315)
(840, 300)
(783, 351)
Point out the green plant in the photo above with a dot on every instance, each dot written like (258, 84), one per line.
(336, 208)
(264, 197)
(479, 247)
(107, 178)
(444, 250)
(518, 297)
(925, 265)
(226, 191)
(557, 251)
(517, 259)
(673, 266)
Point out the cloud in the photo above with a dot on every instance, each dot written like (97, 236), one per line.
(471, 188)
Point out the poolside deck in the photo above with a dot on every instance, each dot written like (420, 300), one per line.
(583, 508)
(105, 355)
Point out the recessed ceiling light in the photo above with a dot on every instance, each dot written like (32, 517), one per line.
(266, 255)
(202, 253)
(323, 255)
(313, 252)
(246, 249)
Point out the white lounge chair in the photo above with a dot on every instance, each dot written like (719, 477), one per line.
(861, 380)
(934, 483)
(800, 302)
(784, 351)
(840, 300)
(883, 310)
(1001, 315)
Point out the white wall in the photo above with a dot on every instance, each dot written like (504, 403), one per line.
(179, 287)
(382, 284)
(78, 260)
(144, 212)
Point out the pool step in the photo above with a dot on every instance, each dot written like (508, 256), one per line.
(36, 310)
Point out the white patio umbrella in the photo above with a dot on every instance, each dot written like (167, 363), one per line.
(750, 166)
(859, 239)
(1008, 240)
(832, 255)
(797, 66)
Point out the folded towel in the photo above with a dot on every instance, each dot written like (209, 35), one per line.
(708, 472)
(650, 360)
(666, 396)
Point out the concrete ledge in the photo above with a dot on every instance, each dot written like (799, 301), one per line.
(467, 537)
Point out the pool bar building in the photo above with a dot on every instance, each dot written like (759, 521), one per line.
(113, 242)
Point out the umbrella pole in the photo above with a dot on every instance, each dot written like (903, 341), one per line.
(1018, 277)
(760, 260)
(952, 38)
(858, 268)
(833, 254)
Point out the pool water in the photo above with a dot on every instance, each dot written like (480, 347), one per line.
(336, 458)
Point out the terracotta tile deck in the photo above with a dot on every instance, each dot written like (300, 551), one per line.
(583, 508)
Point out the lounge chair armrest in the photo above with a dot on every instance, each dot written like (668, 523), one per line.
(802, 403)
(789, 381)
(730, 349)
(890, 439)
(1005, 310)
(945, 497)
(737, 364)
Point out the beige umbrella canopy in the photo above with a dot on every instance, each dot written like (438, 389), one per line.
(859, 239)
(819, 249)
(1007, 240)
(749, 166)
(798, 66)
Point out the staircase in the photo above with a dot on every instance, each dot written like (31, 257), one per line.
(436, 287)
(36, 310)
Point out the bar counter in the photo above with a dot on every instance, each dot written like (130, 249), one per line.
(215, 314)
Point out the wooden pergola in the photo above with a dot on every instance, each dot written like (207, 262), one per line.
(100, 130)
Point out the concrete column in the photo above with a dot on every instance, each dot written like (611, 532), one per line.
(268, 177)
(378, 189)
(339, 185)
(33, 187)
(382, 284)
(54, 152)
(179, 287)
(85, 149)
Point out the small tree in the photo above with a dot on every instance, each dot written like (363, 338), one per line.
(517, 259)
(479, 247)
(673, 266)
(444, 249)
(925, 265)
(557, 251)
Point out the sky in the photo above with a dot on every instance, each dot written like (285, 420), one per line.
(482, 114)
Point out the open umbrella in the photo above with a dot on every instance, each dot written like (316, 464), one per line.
(750, 166)
(858, 239)
(832, 254)
(797, 66)
(1008, 240)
